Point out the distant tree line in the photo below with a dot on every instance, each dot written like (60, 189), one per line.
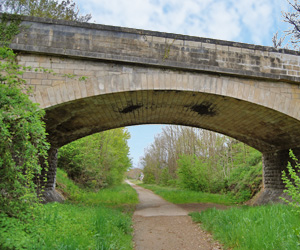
(202, 160)
(66, 9)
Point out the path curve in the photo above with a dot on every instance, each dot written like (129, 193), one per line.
(161, 225)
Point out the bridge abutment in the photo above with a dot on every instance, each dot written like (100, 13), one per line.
(49, 172)
(273, 165)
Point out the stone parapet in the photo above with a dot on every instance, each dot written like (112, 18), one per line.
(157, 49)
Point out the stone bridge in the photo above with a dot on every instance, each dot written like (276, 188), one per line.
(106, 77)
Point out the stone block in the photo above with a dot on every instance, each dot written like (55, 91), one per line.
(57, 91)
(47, 82)
(36, 81)
(51, 95)
(168, 81)
(64, 92)
(158, 40)
(209, 46)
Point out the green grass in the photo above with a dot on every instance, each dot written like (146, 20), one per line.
(272, 227)
(180, 196)
(122, 195)
(70, 226)
(100, 220)
(136, 182)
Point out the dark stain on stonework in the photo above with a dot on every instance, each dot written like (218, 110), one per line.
(205, 108)
(130, 109)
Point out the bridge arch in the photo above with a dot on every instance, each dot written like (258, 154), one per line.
(117, 95)
(248, 92)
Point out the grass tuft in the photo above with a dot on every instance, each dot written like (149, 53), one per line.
(247, 228)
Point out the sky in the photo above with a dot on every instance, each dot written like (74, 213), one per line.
(247, 21)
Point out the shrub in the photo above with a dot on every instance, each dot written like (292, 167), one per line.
(23, 140)
(192, 173)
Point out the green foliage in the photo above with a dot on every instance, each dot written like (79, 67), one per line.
(248, 228)
(179, 196)
(245, 180)
(23, 140)
(65, 9)
(149, 177)
(98, 160)
(9, 28)
(192, 173)
(201, 160)
(88, 220)
(69, 226)
(292, 182)
(113, 230)
(113, 197)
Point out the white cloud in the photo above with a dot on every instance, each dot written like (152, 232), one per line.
(238, 20)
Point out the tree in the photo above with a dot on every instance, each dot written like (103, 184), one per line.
(98, 160)
(66, 9)
(293, 19)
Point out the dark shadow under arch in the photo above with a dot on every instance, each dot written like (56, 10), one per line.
(260, 127)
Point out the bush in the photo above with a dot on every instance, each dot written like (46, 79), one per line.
(245, 181)
(23, 140)
(192, 173)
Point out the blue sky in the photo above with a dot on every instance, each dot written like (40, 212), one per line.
(247, 21)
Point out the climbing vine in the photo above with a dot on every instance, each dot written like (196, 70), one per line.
(22, 132)
(168, 49)
(10, 26)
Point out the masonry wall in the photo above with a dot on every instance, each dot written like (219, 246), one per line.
(273, 165)
(109, 43)
(261, 113)
(49, 171)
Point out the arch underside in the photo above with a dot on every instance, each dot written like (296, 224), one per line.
(260, 127)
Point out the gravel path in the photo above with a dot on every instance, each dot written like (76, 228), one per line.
(160, 225)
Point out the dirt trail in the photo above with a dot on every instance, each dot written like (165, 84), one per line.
(161, 225)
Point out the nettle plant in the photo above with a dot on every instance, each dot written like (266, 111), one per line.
(292, 182)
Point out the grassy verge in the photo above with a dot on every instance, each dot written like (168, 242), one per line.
(88, 220)
(180, 196)
(122, 196)
(264, 228)
(136, 182)
(70, 226)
